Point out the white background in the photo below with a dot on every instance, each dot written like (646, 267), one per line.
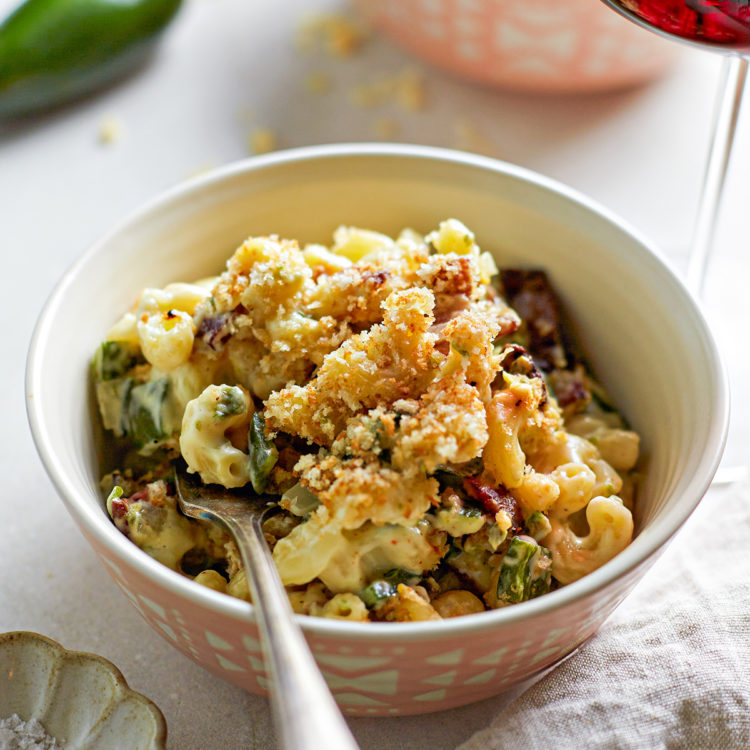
(224, 67)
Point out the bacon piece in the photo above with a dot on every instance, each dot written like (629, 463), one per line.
(530, 294)
(119, 509)
(494, 499)
(573, 391)
(375, 279)
(447, 307)
(215, 331)
(515, 352)
(509, 323)
(517, 360)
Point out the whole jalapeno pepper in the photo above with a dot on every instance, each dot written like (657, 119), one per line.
(54, 51)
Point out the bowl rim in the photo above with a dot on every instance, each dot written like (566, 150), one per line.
(98, 525)
(88, 657)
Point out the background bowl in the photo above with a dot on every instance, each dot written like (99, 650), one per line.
(641, 329)
(532, 45)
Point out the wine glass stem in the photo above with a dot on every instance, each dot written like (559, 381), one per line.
(733, 75)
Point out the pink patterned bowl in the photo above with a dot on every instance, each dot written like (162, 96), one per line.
(533, 45)
(642, 330)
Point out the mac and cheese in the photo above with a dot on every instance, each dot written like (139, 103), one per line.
(434, 446)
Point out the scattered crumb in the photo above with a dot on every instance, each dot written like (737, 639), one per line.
(110, 130)
(468, 138)
(373, 93)
(341, 37)
(406, 87)
(258, 140)
(318, 82)
(410, 89)
(336, 34)
(261, 141)
(386, 128)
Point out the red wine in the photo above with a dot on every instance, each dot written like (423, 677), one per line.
(717, 23)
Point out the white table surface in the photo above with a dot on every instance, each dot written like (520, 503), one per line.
(224, 67)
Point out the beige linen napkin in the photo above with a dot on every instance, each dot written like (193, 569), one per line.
(670, 668)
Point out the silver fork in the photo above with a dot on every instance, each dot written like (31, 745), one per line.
(304, 711)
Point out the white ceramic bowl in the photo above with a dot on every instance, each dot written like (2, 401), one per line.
(81, 699)
(641, 329)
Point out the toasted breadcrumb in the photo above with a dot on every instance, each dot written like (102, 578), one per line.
(336, 34)
(469, 138)
(110, 130)
(386, 128)
(355, 491)
(318, 82)
(261, 141)
(406, 88)
(372, 93)
(390, 361)
(410, 89)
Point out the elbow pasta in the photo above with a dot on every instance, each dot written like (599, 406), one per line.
(618, 447)
(433, 453)
(204, 442)
(166, 338)
(610, 530)
(178, 297)
(576, 484)
(537, 492)
(503, 456)
(345, 607)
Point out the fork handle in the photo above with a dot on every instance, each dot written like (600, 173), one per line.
(306, 716)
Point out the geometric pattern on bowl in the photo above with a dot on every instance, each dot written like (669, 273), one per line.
(375, 678)
(576, 45)
(81, 699)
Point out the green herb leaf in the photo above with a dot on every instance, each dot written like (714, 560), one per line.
(525, 572)
(263, 453)
(231, 402)
(115, 494)
(376, 593)
(144, 412)
(538, 525)
(399, 575)
(114, 358)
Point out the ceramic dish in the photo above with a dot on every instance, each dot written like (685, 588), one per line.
(81, 699)
(641, 329)
(527, 45)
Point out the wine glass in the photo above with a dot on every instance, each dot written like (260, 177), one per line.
(722, 26)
